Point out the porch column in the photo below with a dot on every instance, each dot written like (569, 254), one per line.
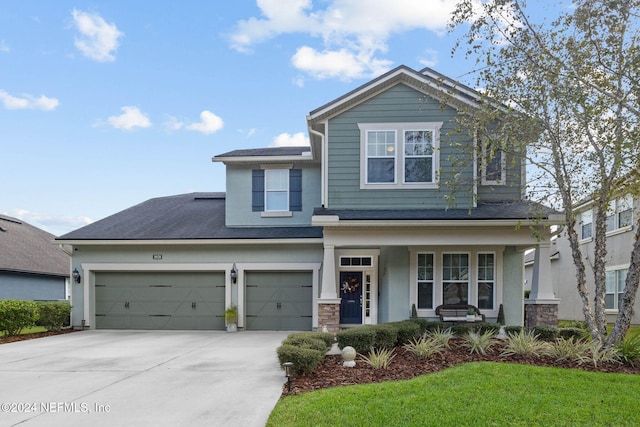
(329, 303)
(541, 309)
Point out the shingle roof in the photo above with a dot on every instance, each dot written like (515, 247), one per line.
(265, 152)
(28, 249)
(519, 210)
(184, 216)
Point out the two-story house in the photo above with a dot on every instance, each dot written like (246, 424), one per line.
(354, 229)
(621, 218)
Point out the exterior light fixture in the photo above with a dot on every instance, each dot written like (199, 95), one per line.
(76, 275)
(234, 274)
(288, 372)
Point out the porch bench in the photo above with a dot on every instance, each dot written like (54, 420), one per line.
(458, 313)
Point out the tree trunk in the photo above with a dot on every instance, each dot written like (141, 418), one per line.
(625, 313)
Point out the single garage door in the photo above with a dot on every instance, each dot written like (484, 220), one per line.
(279, 301)
(162, 300)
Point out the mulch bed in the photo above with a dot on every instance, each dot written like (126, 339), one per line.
(23, 337)
(331, 373)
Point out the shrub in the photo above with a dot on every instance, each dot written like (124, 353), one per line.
(380, 358)
(53, 315)
(424, 347)
(629, 349)
(407, 331)
(461, 329)
(546, 333)
(524, 344)
(442, 337)
(512, 329)
(596, 353)
(361, 338)
(304, 359)
(15, 315)
(482, 327)
(479, 343)
(327, 337)
(414, 312)
(386, 335)
(306, 342)
(575, 333)
(500, 320)
(567, 349)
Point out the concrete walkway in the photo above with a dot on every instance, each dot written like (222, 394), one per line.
(141, 378)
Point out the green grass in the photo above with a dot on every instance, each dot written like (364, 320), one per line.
(477, 394)
(29, 330)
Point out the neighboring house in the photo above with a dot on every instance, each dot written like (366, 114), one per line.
(353, 229)
(620, 238)
(31, 266)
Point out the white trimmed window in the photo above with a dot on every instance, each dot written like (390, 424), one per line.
(425, 281)
(615, 287)
(276, 190)
(455, 278)
(586, 224)
(620, 213)
(486, 281)
(494, 170)
(399, 155)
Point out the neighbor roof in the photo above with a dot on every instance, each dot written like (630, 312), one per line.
(270, 154)
(185, 216)
(28, 249)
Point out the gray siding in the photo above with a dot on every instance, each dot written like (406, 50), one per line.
(31, 287)
(397, 104)
(511, 190)
(238, 198)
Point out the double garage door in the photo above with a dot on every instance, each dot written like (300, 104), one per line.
(165, 300)
(196, 300)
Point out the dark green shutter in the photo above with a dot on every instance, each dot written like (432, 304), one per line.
(257, 189)
(295, 190)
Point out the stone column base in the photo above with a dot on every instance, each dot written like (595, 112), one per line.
(540, 315)
(329, 317)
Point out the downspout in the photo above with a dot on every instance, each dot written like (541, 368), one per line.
(323, 183)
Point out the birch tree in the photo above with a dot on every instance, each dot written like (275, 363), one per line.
(568, 94)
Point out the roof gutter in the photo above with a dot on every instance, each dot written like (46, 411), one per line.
(323, 184)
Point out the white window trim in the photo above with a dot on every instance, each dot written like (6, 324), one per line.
(437, 276)
(503, 167)
(616, 214)
(615, 268)
(433, 281)
(477, 280)
(399, 129)
(582, 223)
(470, 276)
(275, 212)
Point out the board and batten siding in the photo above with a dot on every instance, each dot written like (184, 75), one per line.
(403, 104)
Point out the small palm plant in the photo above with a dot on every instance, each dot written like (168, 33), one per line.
(524, 344)
(568, 349)
(629, 350)
(380, 358)
(424, 347)
(442, 336)
(597, 353)
(479, 343)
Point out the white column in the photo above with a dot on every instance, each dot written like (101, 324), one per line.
(328, 291)
(541, 284)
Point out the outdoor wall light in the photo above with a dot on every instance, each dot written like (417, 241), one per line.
(234, 274)
(76, 275)
(288, 372)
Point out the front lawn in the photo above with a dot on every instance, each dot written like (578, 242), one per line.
(478, 394)
(32, 330)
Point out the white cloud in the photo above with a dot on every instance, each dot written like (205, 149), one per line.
(54, 224)
(429, 58)
(28, 102)
(353, 32)
(209, 123)
(287, 140)
(172, 124)
(4, 47)
(98, 40)
(130, 119)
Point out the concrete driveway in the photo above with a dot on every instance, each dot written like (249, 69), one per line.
(141, 378)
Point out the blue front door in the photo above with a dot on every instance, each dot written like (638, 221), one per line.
(351, 295)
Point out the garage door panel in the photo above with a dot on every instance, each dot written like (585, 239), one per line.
(279, 300)
(165, 300)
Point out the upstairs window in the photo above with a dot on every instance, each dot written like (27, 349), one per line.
(586, 224)
(399, 155)
(493, 164)
(620, 213)
(276, 190)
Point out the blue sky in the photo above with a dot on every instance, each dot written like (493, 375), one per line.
(106, 104)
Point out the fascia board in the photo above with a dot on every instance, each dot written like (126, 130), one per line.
(187, 242)
(317, 221)
(265, 159)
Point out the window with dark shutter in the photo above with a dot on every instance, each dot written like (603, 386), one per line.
(257, 185)
(295, 190)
